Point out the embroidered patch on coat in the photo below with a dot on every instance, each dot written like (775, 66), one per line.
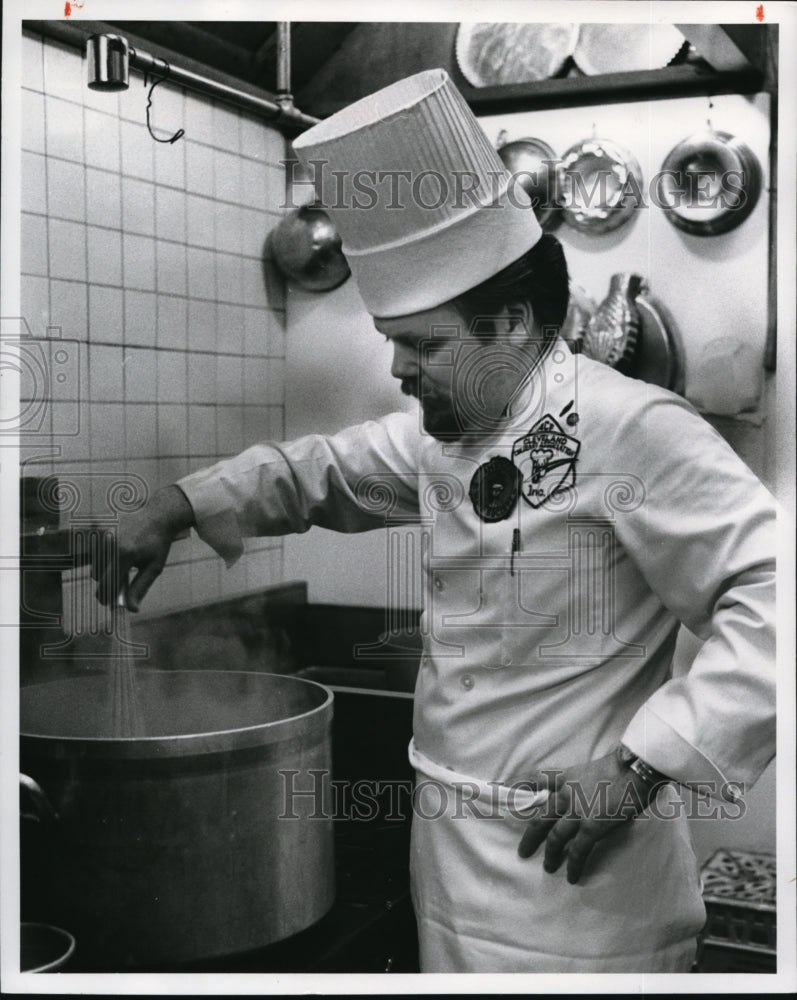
(546, 458)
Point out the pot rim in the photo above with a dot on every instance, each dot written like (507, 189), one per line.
(190, 743)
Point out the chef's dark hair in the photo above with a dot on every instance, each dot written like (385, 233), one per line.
(538, 278)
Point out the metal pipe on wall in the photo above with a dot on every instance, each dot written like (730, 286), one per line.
(284, 60)
(280, 113)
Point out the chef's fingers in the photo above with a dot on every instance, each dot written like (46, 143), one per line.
(577, 854)
(556, 843)
(142, 581)
(549, 779)
(538, 828)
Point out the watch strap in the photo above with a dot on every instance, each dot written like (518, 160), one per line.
(641, 768)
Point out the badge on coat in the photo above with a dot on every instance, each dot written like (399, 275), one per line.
(546, 458)
(494, 489)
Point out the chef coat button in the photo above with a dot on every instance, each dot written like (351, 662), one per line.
(467, 681)
(438, 583)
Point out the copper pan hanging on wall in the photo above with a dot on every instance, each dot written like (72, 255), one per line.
(602, 186)
(709, 183)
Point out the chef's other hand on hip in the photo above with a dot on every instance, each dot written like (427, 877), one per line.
(141, 542)
(586, 802)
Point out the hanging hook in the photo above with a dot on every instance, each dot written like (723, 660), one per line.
(180, 132)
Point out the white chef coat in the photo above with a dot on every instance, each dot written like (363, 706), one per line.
(635, 515)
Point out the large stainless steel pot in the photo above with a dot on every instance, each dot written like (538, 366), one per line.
(186, 843)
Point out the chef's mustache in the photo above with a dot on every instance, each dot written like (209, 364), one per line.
(409, 386)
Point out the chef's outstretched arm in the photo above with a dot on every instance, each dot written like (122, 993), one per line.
(271, 489)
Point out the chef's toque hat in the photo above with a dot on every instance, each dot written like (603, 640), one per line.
(424, 206)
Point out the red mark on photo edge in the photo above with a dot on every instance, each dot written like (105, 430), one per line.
(759, 13)
(68, 7)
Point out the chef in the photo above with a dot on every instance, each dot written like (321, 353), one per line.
(572, 519)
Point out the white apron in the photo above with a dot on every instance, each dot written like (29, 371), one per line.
(482, 908)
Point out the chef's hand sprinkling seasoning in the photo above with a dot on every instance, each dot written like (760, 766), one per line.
(141, 542)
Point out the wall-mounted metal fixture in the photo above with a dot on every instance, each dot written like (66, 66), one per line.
(108, 62)
(110, 57)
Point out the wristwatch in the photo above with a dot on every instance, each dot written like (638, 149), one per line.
(652, 778)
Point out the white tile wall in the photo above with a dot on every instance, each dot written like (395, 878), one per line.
(64, 129)
(148, 258)
(172, 321)
(137, 155)
(34, 181)
(36, 303)
(34, 244)
(67, 252)
(106, 373)
(32, 121)
(138, 254)
(170, 164)
(106, 315)
(141, 319)
(138, 205)
(68, 309)
(103, 198)
(104, 255)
